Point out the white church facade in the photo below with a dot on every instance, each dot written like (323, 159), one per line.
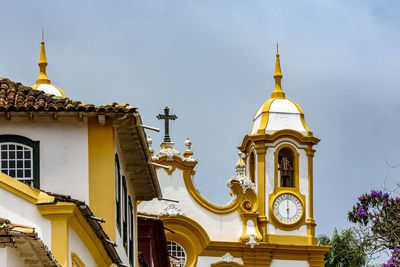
(270, 220)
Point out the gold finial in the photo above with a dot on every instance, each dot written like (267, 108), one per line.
(278, 92)
(42, 79)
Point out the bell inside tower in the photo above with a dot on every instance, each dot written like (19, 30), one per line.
(285, 167)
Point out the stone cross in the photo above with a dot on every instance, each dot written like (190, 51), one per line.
(166, 117)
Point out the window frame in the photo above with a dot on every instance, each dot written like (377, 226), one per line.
(131, 231)
(182, 248)
(291, 179)
(35, 145)
(252, 167)
(118, 193)
(124, 214)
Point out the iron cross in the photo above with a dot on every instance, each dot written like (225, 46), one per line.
(166, 117)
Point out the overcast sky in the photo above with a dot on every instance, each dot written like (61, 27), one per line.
(212, 63)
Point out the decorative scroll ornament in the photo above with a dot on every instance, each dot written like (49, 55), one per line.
(227, 258)
(167, 148)
(252, 242)
(243, 180)
(171, 210)
(245, 191)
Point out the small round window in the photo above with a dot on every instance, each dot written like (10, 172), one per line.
(178, 253)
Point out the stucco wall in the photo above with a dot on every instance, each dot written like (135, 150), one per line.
(203, 261)
(20, 211)
(227, 227)
(63, 152)
(78, 247)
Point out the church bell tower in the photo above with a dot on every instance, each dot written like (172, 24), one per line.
(279, 158)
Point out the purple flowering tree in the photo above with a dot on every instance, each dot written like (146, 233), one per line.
(378, 217)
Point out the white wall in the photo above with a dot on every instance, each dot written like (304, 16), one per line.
(9, 257)
(20, 211)
(226, 227)
(288, 263)
(203, 261)
(78, 247)
(63, 152)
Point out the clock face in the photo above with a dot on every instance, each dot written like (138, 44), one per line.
(287, 208)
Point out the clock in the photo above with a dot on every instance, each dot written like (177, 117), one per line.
(287, 208)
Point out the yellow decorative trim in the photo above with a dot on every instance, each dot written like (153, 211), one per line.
(265, 116)
(310, 220)
(263, 254)
(246, 217)
(261, 178)
(65, 214)
(76, 261)
(281, 225)
(245, 203)
(101, 173)
(187, 168)
(303, 121)
(296, 166)
(288, 239)
(189, 234)
(24, 191)
(261, 139)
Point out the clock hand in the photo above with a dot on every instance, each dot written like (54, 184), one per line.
(287, 208)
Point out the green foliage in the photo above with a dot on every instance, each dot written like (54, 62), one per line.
(346, 251)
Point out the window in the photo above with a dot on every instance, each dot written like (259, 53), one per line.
(178, 252)
(118, 192)
(124, 214)
(131, 231)
(285, 167)
(19, 158)
(252, 169)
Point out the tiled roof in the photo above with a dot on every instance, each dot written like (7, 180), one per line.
(27, 243)
(17, 97)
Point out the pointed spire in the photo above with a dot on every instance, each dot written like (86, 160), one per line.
(42, 79)
(43, 82)
(278, 92)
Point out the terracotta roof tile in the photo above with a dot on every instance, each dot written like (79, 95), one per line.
(15, 96)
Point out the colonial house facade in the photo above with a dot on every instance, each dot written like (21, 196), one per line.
(71, 175)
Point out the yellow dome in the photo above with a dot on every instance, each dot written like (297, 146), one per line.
(278, 112)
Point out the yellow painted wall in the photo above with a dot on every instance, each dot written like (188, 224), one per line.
(101, 173)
